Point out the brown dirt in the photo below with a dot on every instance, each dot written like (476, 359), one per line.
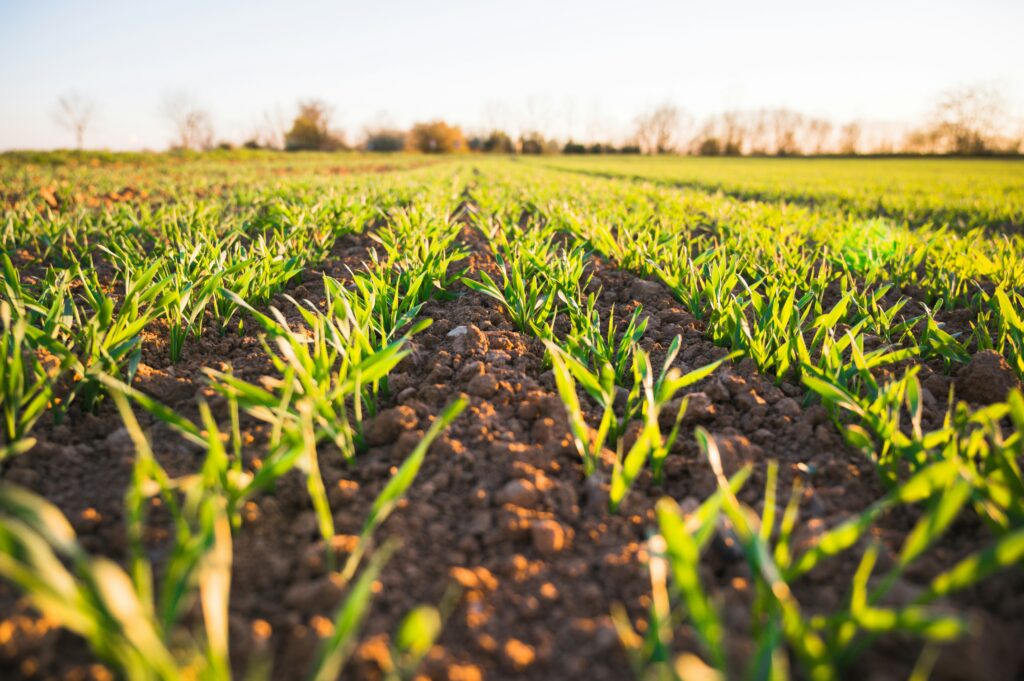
(987, 378)
(501, 508)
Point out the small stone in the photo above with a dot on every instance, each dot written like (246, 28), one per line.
(717, 391)
(517, 655)
(787, 406)
(458, 331)
(387, 426)
(641, 289)
(518, 493)
(119, 441)
(316, 595)
(698, 407)
(748, 399)
(548, 537)
(546, 429)
(484, 385)
(737, 451)
(472, 342)
(595, 490)
(481, 524)
(343, 492)
(464, 672)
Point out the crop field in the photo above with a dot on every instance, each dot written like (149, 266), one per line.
(318, 416)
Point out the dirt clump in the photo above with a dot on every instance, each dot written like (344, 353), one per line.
(986, 379)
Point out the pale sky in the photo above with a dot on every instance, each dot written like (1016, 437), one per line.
(583, 68)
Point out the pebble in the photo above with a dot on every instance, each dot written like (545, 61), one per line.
(480, 524)
(472, 342)
(343, 492)
(484, 385)
(545, 429)
(318, 594)
(787, 406)
(645, 289)
(388, 425)
(737, 451)
(595, 490)
(464, 672)
(517, 655)
(119, 441)
(548, 537)
(518, 493)
(698, 407)
(716, 391)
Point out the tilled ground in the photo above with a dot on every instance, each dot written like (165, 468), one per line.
(501, 521)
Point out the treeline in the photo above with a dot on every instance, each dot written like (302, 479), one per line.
(967, 121)
(311, 131)
(970, 121)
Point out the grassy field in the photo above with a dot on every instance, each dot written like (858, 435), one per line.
(394, 417)
(960, 193)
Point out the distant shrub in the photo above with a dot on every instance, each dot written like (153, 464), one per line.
(710, 147)
(498, 142)
(311, 131)
(385, 140)
(436, 137)
(534, 143)
(599, 148)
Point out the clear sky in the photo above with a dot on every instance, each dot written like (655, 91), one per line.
(584, 68)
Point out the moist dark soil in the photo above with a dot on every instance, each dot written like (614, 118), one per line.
(501, 521)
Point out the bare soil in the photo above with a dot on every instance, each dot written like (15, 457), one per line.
(501, 517)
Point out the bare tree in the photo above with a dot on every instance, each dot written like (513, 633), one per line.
(74, 113)
(273, 128)
(193, 128)
(760, 142)
(968, 120)
(849, 138)
(785, 124)
(733, 133)
(818, 133)
(657, 131)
